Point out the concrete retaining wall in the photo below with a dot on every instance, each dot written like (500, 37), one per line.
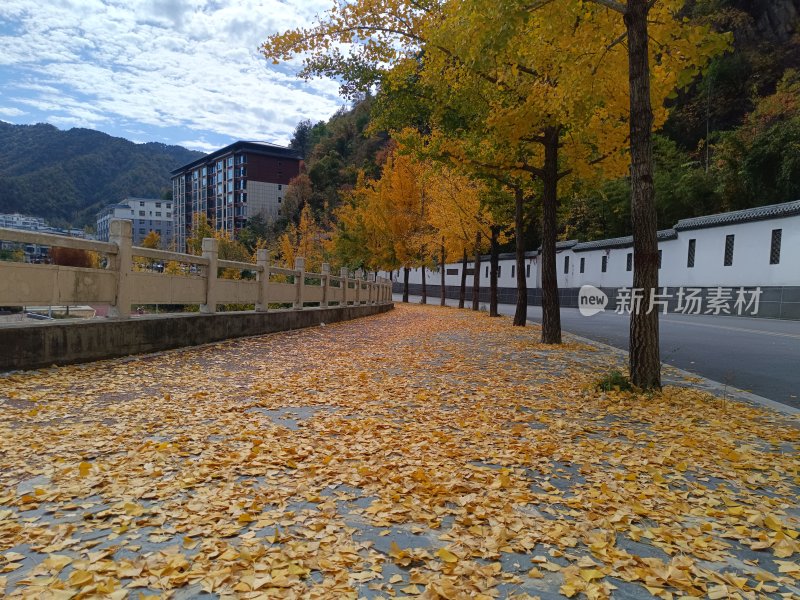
(31, 346)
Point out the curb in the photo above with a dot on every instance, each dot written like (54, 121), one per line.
(709, 385)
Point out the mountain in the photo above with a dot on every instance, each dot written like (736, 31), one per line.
(66, 177)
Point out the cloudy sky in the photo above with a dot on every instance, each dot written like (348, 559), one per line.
(182, 72)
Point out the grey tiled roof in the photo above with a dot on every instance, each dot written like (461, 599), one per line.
(771, 211)
(620, 242)
(485, 258)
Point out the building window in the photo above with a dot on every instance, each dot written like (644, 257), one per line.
(566, 264)
(141, 213)
(142, 231)
(499, 270)
(659, 259)
(527, 270)
(513, 269)
(487, 272)
(728, 250)
(158, 204)
(604, 264)
(158, 214)
(583, 264)
(449, 272)
(690, 257)
(141, 203)
(280, 187)
(169, 215)
(775, 247)
(169, 205)
(629, 263)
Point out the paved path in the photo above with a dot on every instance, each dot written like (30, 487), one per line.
(757, 355)
(427, 452)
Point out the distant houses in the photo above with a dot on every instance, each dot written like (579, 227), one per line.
(146, 215)
(33, 252)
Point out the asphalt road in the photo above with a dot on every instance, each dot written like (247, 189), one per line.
(761, 356)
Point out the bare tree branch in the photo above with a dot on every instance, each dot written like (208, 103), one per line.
(607, 49)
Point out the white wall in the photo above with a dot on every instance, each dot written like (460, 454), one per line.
(751, 253)
(751, 266)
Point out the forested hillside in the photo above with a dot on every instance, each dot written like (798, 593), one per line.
(67, 176)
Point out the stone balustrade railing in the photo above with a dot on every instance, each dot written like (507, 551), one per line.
(127, 278)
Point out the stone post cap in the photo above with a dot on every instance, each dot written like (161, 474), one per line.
(300, 263)
(210, 245)
(326, 269)
(262, 255)
(121, 228)
(344, 273)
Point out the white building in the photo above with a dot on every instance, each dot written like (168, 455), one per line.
(147, 214)
(756, 247)
(18, 221)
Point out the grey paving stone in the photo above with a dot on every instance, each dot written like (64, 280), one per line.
(642, 549)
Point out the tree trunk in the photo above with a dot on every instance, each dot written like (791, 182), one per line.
(462, 292)
(494, 260)
(443, 273)
(424, 287)
(405, 283)
(521, 312)
(645, 361)
(551, 311)
(476, 277)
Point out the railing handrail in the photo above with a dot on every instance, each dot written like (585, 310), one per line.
(24, 236)
(237, 264)
(168, 255)
(121, 284)
(281, 271)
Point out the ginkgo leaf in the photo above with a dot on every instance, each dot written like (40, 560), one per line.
(446, 555)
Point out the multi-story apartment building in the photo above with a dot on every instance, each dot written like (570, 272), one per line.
(231, 185)
(147, 214)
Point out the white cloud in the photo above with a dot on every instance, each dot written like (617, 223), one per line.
(200, 145)
(191, 64)
(11, 112)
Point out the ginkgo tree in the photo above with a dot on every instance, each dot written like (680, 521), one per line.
(382, 224)
(615, 119)
(557, 96)
(460, 221)
(306, 239)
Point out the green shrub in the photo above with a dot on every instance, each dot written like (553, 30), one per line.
(614, 381)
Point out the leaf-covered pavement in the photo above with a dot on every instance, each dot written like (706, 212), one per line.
(426, 452)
